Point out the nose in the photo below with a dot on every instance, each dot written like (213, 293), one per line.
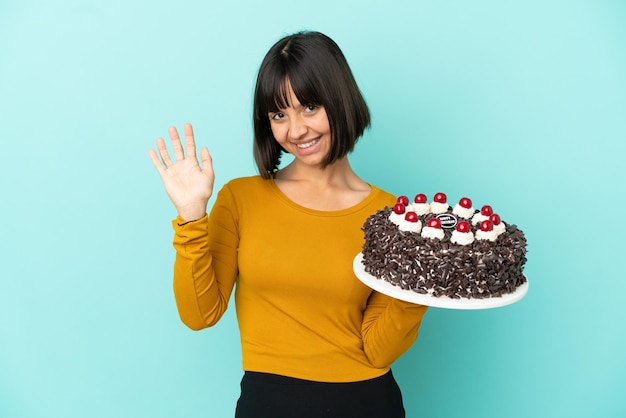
(297, 128)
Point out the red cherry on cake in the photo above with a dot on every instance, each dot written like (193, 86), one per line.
(434, 223)
(486, 210)
(465, 202)
(486, 226)
(463, 227)
(495, 219)
(411, 217)
(398, 208)
(441, 198)
(420, 198)
(403, 199)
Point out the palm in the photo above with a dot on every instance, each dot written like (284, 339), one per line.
(185, 181)
(188, 184)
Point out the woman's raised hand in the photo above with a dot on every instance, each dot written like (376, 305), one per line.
(188, 184)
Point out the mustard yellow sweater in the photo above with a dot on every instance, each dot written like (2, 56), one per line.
(301, 311)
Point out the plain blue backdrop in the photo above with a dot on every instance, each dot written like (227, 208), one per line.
(519, 104)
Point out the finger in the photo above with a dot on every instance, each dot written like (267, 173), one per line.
(158, 164)
(178, 148)
(190, 143)
(165, 156)
(207, 162)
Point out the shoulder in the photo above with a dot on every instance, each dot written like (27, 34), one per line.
(243, 184)
(381, 197)
(244, 188)
(246, 181)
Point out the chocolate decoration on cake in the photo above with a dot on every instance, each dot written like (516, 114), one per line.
(439, 267)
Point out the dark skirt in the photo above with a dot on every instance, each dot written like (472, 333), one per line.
(266, 395)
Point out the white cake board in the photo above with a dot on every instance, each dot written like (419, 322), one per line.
(389, 289)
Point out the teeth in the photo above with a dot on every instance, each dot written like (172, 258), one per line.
(308, 144)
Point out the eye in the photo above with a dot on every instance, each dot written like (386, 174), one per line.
(276, 115)
(310, 108)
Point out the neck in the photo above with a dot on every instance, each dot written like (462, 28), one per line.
(333, 188)
(339, 172)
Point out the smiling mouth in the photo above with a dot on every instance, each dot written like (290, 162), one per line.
(308, 144)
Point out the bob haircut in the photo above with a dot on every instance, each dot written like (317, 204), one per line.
(319, 74)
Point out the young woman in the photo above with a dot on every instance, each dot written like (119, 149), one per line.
(316, 342)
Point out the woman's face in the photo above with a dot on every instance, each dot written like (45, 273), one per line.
(302, 130)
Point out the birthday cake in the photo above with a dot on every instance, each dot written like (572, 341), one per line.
(443, 250)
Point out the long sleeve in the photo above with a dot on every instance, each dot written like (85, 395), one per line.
(206, 265)
(390, 327)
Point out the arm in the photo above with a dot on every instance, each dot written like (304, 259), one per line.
(206, 265)
(390, 327)
(200, 298)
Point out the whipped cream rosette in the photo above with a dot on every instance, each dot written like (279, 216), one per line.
(420, 204)
(410, 223)
(439, 204)
(462, 235)
(486, 231)
(433, 229)
(464, 208)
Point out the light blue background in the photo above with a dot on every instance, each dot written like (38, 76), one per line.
(518, 104)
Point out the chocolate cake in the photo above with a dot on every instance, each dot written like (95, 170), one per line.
(436, 249)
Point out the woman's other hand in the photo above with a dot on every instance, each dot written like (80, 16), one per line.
(188, 185)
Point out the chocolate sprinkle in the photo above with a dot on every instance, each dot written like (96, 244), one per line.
(483, 269)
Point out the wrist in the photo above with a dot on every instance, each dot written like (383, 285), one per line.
(182, 222)
(190, 214)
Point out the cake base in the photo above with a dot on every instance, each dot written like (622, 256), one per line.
(396, 292)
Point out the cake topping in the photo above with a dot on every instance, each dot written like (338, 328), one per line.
(410, 223)
(439, 204)
(463, 227)
(484, 214)
(411, 217)
(439, 220)
(434, 223)
(433, 229)
(498, 225)
(486, 231)
(407, 221)
(399, 209)
(404, 200)
(462, 235)
(464, 208)
(420, 198)
(397, 214)
(420, 204)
